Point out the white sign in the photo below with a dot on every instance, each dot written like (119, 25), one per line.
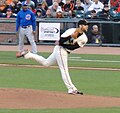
(49, 31)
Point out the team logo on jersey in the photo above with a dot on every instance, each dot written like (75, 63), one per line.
(28, 17)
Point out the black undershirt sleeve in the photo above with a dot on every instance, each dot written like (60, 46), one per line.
(62, 40)
(70, 47)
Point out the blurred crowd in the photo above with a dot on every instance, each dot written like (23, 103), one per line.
(89, 9)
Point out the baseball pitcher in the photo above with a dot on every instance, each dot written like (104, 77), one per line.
(70, 40)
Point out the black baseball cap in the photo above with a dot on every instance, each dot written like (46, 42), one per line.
(106, 5)
(83, 22)
(9, 9)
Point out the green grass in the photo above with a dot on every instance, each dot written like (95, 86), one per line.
(82, 110)
(91, 82)
(104, 61)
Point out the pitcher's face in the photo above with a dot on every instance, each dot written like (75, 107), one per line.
(84, 28)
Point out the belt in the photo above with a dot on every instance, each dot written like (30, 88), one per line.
(67, 50)
(25, 27)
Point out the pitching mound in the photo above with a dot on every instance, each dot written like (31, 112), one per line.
(37, 99)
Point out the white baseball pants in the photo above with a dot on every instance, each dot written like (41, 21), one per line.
(59, 56)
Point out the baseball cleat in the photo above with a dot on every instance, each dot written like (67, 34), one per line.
(21, 54)
(76, 92)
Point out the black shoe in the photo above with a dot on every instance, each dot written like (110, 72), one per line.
(76, 92)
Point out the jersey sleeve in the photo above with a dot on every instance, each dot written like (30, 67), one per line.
(33, 19)
(62, 40)
(68, 32)
(17, 22)
(81, 40)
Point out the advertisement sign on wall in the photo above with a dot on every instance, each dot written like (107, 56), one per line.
(49, 31)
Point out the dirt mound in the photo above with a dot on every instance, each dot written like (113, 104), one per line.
(37, 99)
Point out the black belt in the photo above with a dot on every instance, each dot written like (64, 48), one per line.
(25, 27)
(67, 51)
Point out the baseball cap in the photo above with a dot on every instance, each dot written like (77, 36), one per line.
(39, 10)
(93, 11)
(24, 4)
(83, 22)
(106, 5)
(9, 9)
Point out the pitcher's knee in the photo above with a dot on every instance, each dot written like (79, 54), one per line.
(46, 64)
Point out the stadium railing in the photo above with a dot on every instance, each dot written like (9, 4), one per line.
(109, 29)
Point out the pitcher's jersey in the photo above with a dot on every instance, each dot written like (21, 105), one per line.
(81, 40)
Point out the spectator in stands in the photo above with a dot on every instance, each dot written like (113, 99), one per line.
(39, 13)
(87, 4)
(68, 8)
(78, 9)
(35, 1)
(104, 1)
(32, 8)
(16, 6)
(39, 6)
(115, 11)
(48, 13)
(92, 15)
(8, 2)
(105, 13)
(44, 5)
(54, 9)
(9, 14)
(79, 5)
(49, 2)
(60, 14)
(2, 5)
(61, 3)
(1, 14)
(118, 6)
(95, 36)
(97, 6)
(113, 3)
(43, 9)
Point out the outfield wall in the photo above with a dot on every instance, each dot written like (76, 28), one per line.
(109, 29)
